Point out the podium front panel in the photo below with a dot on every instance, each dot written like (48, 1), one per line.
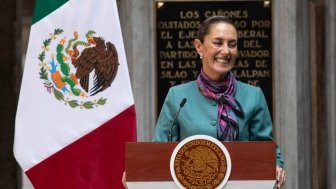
(253, 163)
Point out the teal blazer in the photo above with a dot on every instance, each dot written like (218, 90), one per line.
(199, 115)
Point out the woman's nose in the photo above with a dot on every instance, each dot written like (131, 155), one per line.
(225, 49)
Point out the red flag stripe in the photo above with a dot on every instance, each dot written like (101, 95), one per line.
(95, 161)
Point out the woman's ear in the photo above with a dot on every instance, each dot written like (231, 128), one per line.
(198, 46)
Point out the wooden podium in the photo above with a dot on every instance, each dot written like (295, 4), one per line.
(253, 165)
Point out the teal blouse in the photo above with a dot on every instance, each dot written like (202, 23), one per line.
(199, 115)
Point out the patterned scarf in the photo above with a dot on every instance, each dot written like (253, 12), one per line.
(222, 92)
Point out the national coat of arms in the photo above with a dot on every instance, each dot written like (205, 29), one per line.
(67, 66)
(200, 162)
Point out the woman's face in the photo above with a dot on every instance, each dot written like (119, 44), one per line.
(218, 50)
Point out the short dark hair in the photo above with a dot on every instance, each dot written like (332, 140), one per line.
(206, 24)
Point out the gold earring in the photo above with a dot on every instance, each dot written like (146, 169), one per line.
(200, 55)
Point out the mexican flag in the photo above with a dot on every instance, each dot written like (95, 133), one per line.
(76, 107)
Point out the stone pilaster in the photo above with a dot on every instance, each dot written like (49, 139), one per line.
(137, 20)
(330, 55)
(292, 89)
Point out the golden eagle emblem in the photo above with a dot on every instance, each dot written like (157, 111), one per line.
(102, 58)
(199, 163)
(67, 67)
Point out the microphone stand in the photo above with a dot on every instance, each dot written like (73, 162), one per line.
(170, 135)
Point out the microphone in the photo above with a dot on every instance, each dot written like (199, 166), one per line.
(170, 135)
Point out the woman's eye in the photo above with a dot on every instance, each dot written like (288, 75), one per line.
(218, 43)
(232, 45)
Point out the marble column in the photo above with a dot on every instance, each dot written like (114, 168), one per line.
(330, 57)
(137, 21)
(292, 89)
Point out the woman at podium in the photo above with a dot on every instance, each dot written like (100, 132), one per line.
(216, 104)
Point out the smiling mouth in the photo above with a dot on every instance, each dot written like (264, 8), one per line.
(223, 60)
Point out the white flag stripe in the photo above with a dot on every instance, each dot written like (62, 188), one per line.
(54, 124)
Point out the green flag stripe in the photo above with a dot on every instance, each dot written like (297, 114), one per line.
(44, 7)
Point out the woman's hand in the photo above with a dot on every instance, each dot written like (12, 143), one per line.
(280, 176)
(123, 180)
